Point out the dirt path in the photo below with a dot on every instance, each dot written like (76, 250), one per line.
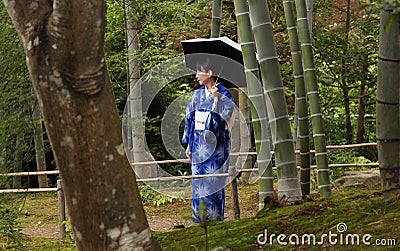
(157, 223)
(41, 219)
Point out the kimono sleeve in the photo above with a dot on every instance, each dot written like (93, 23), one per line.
(189, 121)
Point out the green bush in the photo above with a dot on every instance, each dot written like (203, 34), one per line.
(10, 230)
(153, 197)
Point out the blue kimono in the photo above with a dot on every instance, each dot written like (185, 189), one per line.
(207, 136)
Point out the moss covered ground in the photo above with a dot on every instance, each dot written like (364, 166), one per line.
(362, 211)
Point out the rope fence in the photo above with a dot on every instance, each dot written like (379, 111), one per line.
(161, 162)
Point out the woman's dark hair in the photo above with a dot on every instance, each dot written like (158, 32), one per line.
(205, 66)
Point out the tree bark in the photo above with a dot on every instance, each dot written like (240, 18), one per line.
(64, 44)
(349, 127)
(344, 73)
(361, 114)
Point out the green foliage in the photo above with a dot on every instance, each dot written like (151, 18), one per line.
(153, 197)
(203, 221)
(342, 157)
(161, 27)
(9, 228)
(346, 60)
(154, 118)
(68, 228)
(16, 103)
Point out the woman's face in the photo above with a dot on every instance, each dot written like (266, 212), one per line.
(203, 76)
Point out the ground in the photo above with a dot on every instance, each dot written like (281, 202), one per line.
(360, 208)
(39, 216)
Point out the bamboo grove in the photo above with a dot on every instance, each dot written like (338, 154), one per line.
(261, 40)
(273, 97)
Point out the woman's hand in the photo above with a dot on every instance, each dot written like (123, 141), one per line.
(188, 153)
(214, 91)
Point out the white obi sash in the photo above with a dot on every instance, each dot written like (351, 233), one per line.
(200, 119)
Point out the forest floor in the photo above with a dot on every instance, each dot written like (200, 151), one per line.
(361, 208)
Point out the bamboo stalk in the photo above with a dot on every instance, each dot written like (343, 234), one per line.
(288, 182)
(314, 99)
(134, 107)
(388, 101)
(301, 98)
(258, 110)
(245, 133)
(234, 161)
(216, 18)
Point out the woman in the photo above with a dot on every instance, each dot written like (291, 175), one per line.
(207, 135)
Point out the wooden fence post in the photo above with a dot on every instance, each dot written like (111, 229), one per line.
(235, 143)
(235, 196)
(61, 209)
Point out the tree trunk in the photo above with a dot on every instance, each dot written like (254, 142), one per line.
(344, 73)
(216, 18)
(346, 98)
(285, 159)
(64, 43)
(388, 101)
(361, 113)
(256, 95)
(314, 99)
